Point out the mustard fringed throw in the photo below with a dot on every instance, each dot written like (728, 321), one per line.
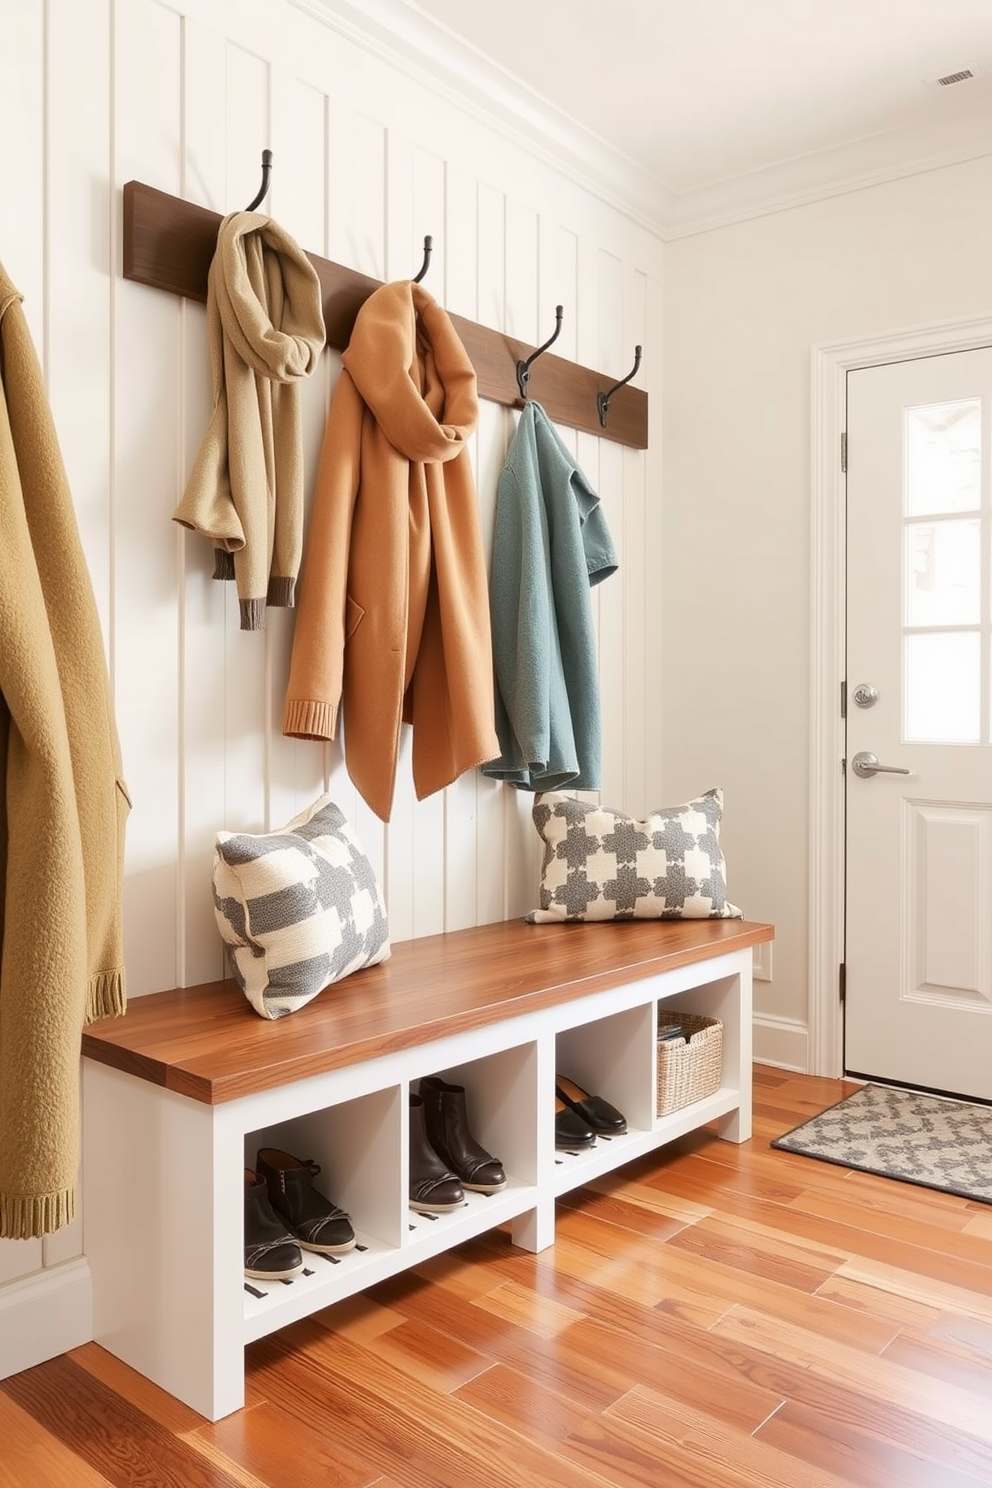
(265, 323)
(63, 805)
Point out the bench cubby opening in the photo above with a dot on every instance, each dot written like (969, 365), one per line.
(358, 1146)
(501, 1094)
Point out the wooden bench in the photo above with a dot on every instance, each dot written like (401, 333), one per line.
(179, 1094)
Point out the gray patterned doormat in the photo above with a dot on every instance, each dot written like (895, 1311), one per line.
(922, 1139)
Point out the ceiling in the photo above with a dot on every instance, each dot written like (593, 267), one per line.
(695, 112)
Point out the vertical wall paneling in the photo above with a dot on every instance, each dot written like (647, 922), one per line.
(203, 600)
(427, 219)
(523, 316)
(428, 840)
(588, 332)
(356, 190)
(544, 275)
(23, 99)
(79, 217)
(495, 428)
(557, 284)
(458, 291)
(633, 584)
(401, 833)
(647, 473)
(185, 94)
(298, 139)
(19, 1258)
(248, 123)
(355, 235)
(536, 281)
(146, 375)
(204, 163)
(534, 287)
(608, 597)
(415, 883)
(78, 314)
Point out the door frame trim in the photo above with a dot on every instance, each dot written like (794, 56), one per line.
(831, 362)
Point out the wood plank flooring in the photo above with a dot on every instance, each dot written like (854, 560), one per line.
(712, 1316)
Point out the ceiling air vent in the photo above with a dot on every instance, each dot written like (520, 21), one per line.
(948, 79)
(954, 77)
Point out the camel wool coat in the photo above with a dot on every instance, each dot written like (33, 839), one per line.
(392, 621)
(63, 804)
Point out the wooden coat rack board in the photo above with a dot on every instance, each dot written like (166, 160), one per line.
(169, 244)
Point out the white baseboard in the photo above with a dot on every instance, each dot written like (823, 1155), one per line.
(782, 1042)
(44, 1315)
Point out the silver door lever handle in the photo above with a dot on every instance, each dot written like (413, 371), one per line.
(866, 765)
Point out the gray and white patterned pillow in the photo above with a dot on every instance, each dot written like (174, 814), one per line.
(298, 909)
(603, 865)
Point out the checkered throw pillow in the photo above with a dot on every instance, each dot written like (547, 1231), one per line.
(298, 909)
(603, 865)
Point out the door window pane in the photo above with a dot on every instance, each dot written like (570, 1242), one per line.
(943, 688)
(943, 573)
(943, 457)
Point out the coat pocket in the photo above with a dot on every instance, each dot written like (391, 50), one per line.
(353, 616)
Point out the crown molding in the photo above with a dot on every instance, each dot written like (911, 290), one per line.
(853, 166)
(406, 38)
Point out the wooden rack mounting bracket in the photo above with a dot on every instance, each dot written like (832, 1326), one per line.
(169, 244)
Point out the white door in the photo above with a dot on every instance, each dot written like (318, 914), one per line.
(919, 700)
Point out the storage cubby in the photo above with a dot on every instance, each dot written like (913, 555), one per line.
(501, 1097)
(358, 1146)
(609, 1057)
(181, 1094)
(501, 1092)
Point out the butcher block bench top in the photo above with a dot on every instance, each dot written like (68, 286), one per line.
(207, 1043)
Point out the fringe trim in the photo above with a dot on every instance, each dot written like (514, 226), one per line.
(28, 1217)
(106, 996)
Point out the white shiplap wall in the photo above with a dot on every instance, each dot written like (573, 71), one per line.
(368, 159)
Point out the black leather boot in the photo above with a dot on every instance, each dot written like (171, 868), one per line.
(271, 1253)
(317, 1223)
(434, 1189)
(446, 1116)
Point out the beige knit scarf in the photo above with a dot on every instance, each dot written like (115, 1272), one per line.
(266, 330)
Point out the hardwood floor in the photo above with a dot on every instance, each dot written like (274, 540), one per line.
(710, 1317)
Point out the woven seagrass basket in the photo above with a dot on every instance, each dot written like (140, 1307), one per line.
(688, 1069)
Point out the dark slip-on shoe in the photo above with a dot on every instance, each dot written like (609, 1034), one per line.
(571, 1132)
(596, 1112)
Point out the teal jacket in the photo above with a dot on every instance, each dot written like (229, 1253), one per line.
(550, 545)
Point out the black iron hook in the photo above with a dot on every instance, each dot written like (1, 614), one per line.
(428, 250)
(523, 368)
(603, 399)
(266, 173)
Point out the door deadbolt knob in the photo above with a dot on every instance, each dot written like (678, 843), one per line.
(865, 695)
(865, 764)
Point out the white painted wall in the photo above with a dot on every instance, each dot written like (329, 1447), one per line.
(744, 305)
(367, 159)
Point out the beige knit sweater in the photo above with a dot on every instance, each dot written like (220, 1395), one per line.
(62, 804)
(265, 324)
